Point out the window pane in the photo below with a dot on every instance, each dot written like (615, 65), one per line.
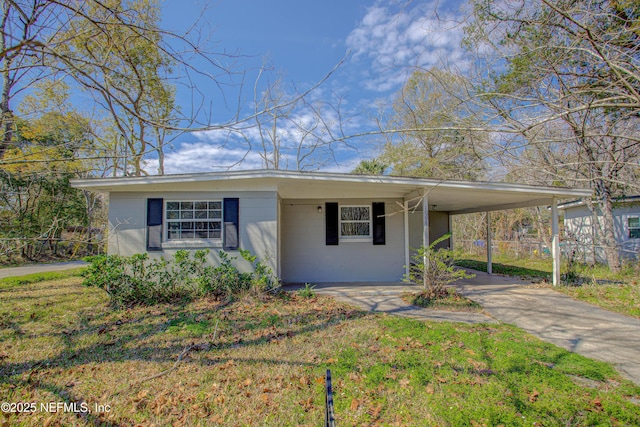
(355, 229)
(180, 216)
(355, 213)
(634, 233)
(634, 222)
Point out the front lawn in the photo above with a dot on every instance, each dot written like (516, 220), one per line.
(263, 363)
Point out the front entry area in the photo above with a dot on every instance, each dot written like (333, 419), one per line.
(306, 256)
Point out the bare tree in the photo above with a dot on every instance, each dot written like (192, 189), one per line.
(289, 128)
(567, 85)
(434, 136)
(113, 51)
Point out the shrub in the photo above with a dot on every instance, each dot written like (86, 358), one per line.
(138, 280)
(262, 279)
(224, 280)
(437, 272)
(308, 291)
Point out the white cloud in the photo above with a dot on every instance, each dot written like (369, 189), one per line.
(205, 157)
(395, 42)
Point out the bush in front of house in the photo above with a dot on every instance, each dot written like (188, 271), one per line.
(137, 279)
(436, 273)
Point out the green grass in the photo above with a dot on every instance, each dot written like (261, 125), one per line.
(541, 268)
(621, 298)
(9, 282)
(597, 285)
(527, 268)
(265, 361)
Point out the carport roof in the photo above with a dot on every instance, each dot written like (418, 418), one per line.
(455, 197)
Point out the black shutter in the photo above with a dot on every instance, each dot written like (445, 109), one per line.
(231, 209)
(378, 223)
(332, 223)
(154, 224)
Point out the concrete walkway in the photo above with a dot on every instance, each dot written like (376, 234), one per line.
(385, 297)
(551, 316)
(39, 268)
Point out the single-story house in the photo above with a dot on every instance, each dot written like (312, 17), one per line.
(582, 228)
(307, 226)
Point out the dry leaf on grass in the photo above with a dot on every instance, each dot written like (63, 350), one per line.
(375, 411)
(355, 404)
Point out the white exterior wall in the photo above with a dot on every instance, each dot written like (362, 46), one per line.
(579, 227)
(307, 259)
(258, 228)
(579, 233)
(629, 247)
(438, 227)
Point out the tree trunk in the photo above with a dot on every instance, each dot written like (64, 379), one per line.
(6, 113)
(607, 226)
(542, 224)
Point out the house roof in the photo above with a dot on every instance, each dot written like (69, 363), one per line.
(455, 197)
(581, 202)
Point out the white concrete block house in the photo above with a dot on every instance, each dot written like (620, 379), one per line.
(309, 226)
(583, 228)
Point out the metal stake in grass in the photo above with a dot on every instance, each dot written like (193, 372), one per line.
(329, 413)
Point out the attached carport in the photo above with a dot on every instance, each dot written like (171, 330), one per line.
(407, 198)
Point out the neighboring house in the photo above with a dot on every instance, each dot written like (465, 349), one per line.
(582, 228)
(308, 226)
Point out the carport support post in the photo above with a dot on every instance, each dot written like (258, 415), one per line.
(425, 236)
(489, 245)
(555, 242)
(407, 255)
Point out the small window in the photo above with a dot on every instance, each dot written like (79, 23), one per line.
(355, 222)
(190, 220)
(634, 227)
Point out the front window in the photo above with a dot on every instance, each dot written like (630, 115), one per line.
(188, 220)
(634, 227)
(355, 222)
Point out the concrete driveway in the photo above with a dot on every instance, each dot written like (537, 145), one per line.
(556, 318)
(551, 316)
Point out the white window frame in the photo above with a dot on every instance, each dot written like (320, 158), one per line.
(629, 228)
(193, 241)
(362, 238)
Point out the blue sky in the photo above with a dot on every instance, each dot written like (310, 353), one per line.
(303, 41)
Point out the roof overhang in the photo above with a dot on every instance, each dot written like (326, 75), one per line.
(617, 201)
(455, 197)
